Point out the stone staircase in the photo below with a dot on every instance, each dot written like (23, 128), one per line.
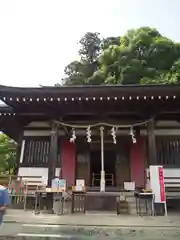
(128, 205)
(131, 203)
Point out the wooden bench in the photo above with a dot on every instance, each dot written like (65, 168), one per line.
(32, 184)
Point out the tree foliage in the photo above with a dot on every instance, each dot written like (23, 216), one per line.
(141, 56)
(7, 154)
(106, 42)
(78, 72)
(90, 47)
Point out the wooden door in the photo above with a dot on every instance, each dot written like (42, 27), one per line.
(122, 167)
(83, 167)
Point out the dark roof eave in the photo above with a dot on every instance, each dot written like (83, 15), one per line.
(90, 89)
(6, 109)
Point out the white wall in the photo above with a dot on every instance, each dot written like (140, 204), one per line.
(36, 172)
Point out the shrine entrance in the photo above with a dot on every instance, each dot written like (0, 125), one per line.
(109, 167)
(116, 161)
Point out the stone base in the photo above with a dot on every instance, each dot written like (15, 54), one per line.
(101, 202)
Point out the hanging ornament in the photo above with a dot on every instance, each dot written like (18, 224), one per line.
(88, 133)
(113, 133)
(73, 138)
(132, 135)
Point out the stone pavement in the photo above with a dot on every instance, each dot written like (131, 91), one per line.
(25, 225)
(28, 231)
(95, 219)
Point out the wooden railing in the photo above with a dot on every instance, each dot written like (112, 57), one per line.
(172, 183)
(96, 179)
(78, 202)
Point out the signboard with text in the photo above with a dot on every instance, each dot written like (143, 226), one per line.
(80, 182)
(58, 184)
(157, 183)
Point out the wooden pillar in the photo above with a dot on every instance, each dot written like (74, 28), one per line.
(102, 181)
(53, 154)
(152, 152)
(18, 153)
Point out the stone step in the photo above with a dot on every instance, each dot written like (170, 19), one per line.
(130, 206)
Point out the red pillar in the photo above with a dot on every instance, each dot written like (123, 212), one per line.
(137, 160)
(68, 162)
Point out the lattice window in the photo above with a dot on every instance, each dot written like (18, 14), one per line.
(36, 151)
(168, 150)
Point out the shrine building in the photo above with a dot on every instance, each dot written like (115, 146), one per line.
(106, 135)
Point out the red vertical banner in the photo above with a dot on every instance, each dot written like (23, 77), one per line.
(161, 184)
(137, 158)
(68, 162)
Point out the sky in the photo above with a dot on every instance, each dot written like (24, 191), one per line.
(38, 38)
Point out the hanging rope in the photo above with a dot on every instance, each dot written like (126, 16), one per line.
(104, 124)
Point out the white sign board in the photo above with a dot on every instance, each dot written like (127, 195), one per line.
(62, 184)
(58, 184)
(80, 182)
(129, 186)
(157, 183)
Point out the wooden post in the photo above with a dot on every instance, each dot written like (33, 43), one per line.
(152, 152)
(102, 182)
(53, 154)
(18, 153)
(18, 156)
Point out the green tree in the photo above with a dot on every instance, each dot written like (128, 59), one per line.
(141, 56)
(109, 41)
(7, 154)
(90, 47)
(75, 73)
(144, 55)
(79, 72)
